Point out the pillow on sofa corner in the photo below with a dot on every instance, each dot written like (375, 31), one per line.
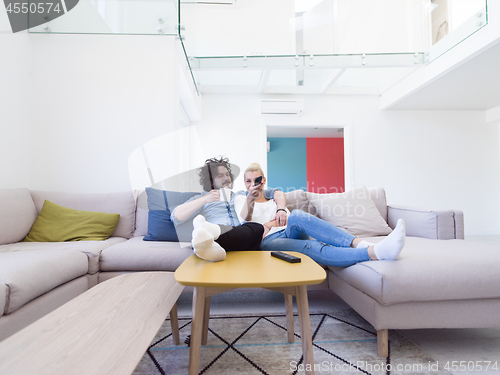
(354, 211)
(160, 205)
(297, 200)
(59, 224)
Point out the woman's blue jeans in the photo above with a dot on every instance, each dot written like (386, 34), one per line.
(330, 246)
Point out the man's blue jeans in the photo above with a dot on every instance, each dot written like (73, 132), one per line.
(330, 246)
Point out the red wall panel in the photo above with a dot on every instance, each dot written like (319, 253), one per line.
(325, 165)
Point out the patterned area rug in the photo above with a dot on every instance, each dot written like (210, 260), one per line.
(344, 343)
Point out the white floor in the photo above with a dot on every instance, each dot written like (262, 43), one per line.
(476, 347)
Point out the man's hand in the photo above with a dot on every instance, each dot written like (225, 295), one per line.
(212, 196)
(268, 226)
(187, 209)
(281, 218)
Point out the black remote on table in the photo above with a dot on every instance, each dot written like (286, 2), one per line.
(286, 257)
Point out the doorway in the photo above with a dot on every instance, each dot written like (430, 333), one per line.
(309, 158)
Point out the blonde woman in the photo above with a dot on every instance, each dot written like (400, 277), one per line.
(329, 245)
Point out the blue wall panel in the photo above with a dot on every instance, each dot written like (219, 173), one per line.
(287, 163)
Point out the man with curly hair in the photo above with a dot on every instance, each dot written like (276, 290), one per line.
(216, 225)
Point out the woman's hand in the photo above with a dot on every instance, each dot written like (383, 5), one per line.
(255, 192)
(281, 218)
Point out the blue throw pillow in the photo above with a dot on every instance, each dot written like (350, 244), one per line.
(160, 204)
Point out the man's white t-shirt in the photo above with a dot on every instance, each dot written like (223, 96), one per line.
(262, 212)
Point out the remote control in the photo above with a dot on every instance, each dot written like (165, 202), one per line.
(286, 257)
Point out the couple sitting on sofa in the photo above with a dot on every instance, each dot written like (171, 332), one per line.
(267, 225)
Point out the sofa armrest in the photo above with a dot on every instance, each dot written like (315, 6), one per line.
(435, 224)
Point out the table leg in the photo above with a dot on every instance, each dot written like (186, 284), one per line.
(289, 317)
(206, 316)
(174, 325)
(305, 328)
(196, 329)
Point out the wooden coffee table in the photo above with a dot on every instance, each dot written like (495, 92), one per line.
(248, 269)
(105, 330)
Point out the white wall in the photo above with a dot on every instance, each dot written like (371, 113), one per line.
(15, 107)
(231, 128)
(97, 98)
(74, 107)
(436, 159)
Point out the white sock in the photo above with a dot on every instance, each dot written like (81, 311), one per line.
(363, 243)
(199, 222)
(205, 247)
(390, 247)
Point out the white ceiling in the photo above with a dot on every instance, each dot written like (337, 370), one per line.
(474, 85)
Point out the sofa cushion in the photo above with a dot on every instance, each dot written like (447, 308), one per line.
(354, 211)
(17, 215)
(58, 224)
(90, 248)
(160, 204)
(29, 274)
(297, 200)
(429, 270)
(426, 223)
(114, 203)
(3, 297)
(138, 255)
(141, 213)
(141, 222)
(378, 197)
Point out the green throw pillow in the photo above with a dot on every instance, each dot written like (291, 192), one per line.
(57, 224)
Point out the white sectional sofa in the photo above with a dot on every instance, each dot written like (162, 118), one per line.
(440, 281)
(38, 277)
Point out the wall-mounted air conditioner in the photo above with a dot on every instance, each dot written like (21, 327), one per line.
(281, 107)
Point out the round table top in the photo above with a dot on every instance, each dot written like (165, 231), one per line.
(247, 269)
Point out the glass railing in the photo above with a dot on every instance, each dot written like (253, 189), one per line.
(272, 27)
(284, 42)
(325, 27)
(139, 17)
(130, 17)
(452, 22)
(314, 73)
(308, 61)
(291, 27)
